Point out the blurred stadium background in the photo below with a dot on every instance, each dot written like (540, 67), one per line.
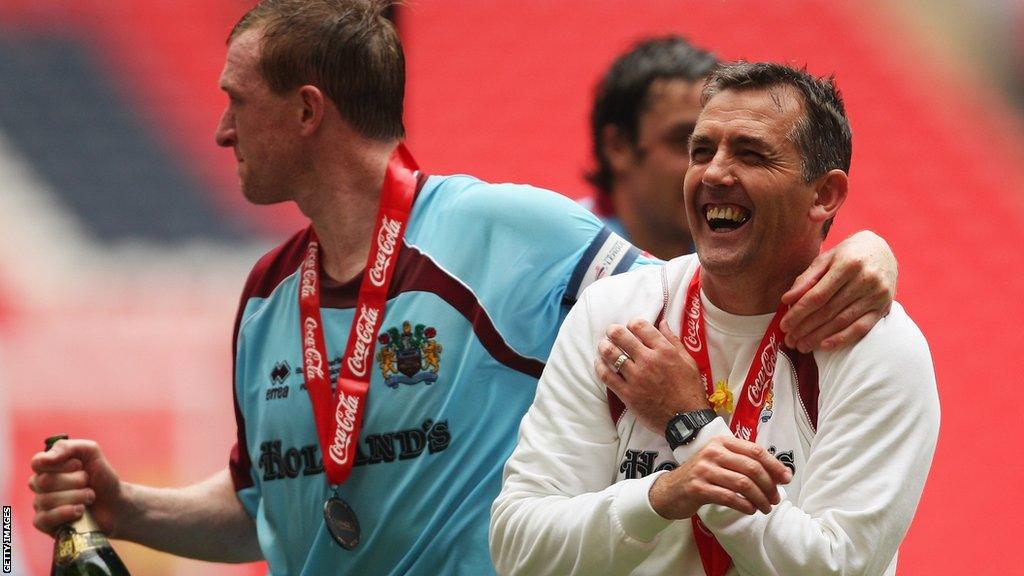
(124, 241)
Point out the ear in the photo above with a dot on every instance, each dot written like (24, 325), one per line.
(617, 149)
(312, 111)
(830, 193)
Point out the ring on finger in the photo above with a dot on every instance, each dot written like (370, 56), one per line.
(619, 362)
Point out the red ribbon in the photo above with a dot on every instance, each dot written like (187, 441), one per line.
(339, 415)
(756, 388)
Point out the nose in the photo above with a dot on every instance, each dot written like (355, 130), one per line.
(226, 135)
(719, 170)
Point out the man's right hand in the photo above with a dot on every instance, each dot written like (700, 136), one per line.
(728, 471)
(69, 476)
(205, 520)
(659, 379)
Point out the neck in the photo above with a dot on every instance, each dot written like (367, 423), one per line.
(752, 291)
(665, 248)
(342, 207)
(744, 298)
(661, 241)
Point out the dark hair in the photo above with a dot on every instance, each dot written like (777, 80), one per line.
(347, 48)
(822, 134)
(622, 96)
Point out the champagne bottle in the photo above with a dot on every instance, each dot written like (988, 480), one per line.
(81, 548)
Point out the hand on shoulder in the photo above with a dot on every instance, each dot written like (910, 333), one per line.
(650, 371)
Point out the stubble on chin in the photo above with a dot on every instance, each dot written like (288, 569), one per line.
(252, 193)
(262, 194)
(721, 262)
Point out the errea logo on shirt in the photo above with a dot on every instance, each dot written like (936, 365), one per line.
(280, 373)
(279, 381)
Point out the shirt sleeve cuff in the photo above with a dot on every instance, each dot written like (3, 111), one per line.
(632, 506)
(718, 517)
(716, 427)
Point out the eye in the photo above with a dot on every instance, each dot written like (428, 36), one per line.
(700, 154)
(679, 139)
(679, 144)
(752, 156)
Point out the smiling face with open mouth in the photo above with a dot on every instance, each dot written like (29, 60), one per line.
(746, 200)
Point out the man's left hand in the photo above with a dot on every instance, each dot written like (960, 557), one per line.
(841, 295)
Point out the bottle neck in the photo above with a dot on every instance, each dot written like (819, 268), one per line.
(77, 538)
(85, 524)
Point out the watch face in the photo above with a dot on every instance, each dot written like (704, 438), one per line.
(683, 428)
(679, 432)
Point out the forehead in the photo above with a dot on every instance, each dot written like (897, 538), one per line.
(758, 112)
(240, 65)
(673, 97)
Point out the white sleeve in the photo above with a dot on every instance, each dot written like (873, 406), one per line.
(560, 510)
(877, 427)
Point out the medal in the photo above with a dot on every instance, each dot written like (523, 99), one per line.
(338, 413)
(341, 522)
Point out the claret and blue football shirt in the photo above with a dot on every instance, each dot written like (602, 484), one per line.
(484, 278)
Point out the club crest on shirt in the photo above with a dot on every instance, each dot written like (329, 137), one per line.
(409, 355)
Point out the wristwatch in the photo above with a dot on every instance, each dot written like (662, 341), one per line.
(683, 427)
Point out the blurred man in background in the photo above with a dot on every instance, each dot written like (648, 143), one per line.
(642, 117)
(709, 426)
(462, 294)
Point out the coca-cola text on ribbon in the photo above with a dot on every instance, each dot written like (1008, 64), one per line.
(364, 329)
(312, 361)
(387, 238)
(769, 353)
(309, 271)
(692, 339)
(345, 418)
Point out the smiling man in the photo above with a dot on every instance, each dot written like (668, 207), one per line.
(725, 451)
